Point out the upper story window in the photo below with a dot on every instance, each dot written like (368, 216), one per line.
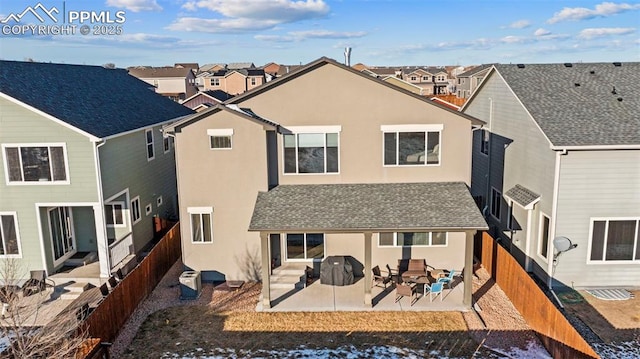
(135, 210)
(9, 235)
(253, 81)
(36, 164)
(151, 153)
(411, 145)
(220, 139)
(484, 144)
(215, 81)
(167, 143)
(615, 240)
(413, 78)
(496, 203)
(425, 78)
(114, 214)
(412, 239)
(441, 78)
(312, 150)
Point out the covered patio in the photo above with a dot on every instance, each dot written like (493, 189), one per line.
(353, 213)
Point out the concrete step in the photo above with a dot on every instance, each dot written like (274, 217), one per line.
(289, 270)
(287, 281)
(73, 291)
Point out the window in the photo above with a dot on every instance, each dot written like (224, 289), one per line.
(425, 78)
(9, 235)
(412, 239)
(411, 145)
(305, 245)
(253, 81)
(215, 82)
(114, 214)
(35, 164)
(167, 144)
(159, 201)
(201, 224)
(147, 209)
(148, 134)
(510, 217)
(220, 139)
(413, 78)
(544, 235)
(496, 203)
(615, 239)
(135, 210)
(484, 144)
(312, 152)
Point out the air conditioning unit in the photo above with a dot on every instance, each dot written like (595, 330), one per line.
(190, 285)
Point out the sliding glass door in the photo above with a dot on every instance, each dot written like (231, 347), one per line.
(61, 227)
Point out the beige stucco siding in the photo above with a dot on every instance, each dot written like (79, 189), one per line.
(235, 83)
(361, 106)
(228, 181)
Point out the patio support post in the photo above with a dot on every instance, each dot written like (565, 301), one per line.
(266, 269)
(102, 241)
(468, 269)
(367, 269)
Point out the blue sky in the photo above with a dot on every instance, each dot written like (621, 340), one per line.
(419, 32)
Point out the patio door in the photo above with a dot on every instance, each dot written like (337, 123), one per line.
(305, 246)
(62, 238)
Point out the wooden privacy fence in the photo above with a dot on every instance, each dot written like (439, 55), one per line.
(556, 333)
(106, 320)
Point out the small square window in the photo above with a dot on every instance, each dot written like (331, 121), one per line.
(159, 201)
(148, 209)
(220, 139)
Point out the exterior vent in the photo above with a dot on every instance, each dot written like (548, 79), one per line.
(619, 99)
(568, 64)
(614, 90)
(576, 84)
(617, 64)
(520, 66)
(592, 72)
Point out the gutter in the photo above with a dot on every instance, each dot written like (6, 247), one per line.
(595, 147)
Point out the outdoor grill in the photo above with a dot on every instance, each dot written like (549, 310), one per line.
(336, 270)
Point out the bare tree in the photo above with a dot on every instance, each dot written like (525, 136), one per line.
(29, 328)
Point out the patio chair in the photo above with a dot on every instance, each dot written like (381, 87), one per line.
(113, 282)
(406, 290)
(433, 289)
(378, 278)
(448, 279)
(119, 274)
(393, 274)
(104, 290)
(36, 283)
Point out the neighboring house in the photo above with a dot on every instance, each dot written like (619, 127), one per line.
(271, 68)
(469, 80)
(561, 152)
(83, 168)
(188, 65)
(212, 67)
(240, 65)
(233, 82)
(204, 99)
(403, 84)
(341, 163)
(175, 83)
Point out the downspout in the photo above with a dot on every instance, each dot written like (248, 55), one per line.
(554, 213)
(488, 190)
(101, 209)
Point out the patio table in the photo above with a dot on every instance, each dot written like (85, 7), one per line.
(437, 273)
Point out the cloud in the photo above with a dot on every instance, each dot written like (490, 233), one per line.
(520, 24)
(135, 5)
(310, 34)
(542, 32)
(249, 15)
(605, 31)
(601, 10)
(514, 40)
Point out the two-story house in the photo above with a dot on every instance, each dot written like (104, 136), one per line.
(234, 81)
(83, 168)
(468, 81)
(177, 83)
(325, 161)
(557, 168)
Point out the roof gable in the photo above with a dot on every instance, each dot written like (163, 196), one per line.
(95, 100)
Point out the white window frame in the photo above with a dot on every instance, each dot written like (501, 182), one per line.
(15, 222)
(215, 82)
(159, 201)
(254, 82)
(146, 148)
(510, 216)
(304, 241)
(167, 144)
(493, 193)
(540, 234)
(396, 245)
(397, 129)
(135, 205)
(201, 211)
(603, 261)
(485, 138)
(148, 209)
(220, 132)
(113, 213)
(35, 183)
(324, 130)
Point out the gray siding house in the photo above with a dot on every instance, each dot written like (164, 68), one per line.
(83, 164)
(560, 157)
(325, 161)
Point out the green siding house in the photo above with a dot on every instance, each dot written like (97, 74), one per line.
(84, 167)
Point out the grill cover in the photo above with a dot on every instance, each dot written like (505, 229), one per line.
(336, 270)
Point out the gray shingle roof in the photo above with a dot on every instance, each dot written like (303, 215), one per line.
(358, 207)
(579, 105)
(522, 195)
(159, 72)
(96, 100)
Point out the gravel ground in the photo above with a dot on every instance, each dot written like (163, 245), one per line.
(505, 332)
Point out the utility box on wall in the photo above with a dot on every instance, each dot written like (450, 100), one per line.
(190, 285)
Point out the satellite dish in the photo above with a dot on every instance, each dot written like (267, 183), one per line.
(563, 244)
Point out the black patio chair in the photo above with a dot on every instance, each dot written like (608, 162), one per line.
(378, 278)
(37, 282)
(104, 290)
(113, 282)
